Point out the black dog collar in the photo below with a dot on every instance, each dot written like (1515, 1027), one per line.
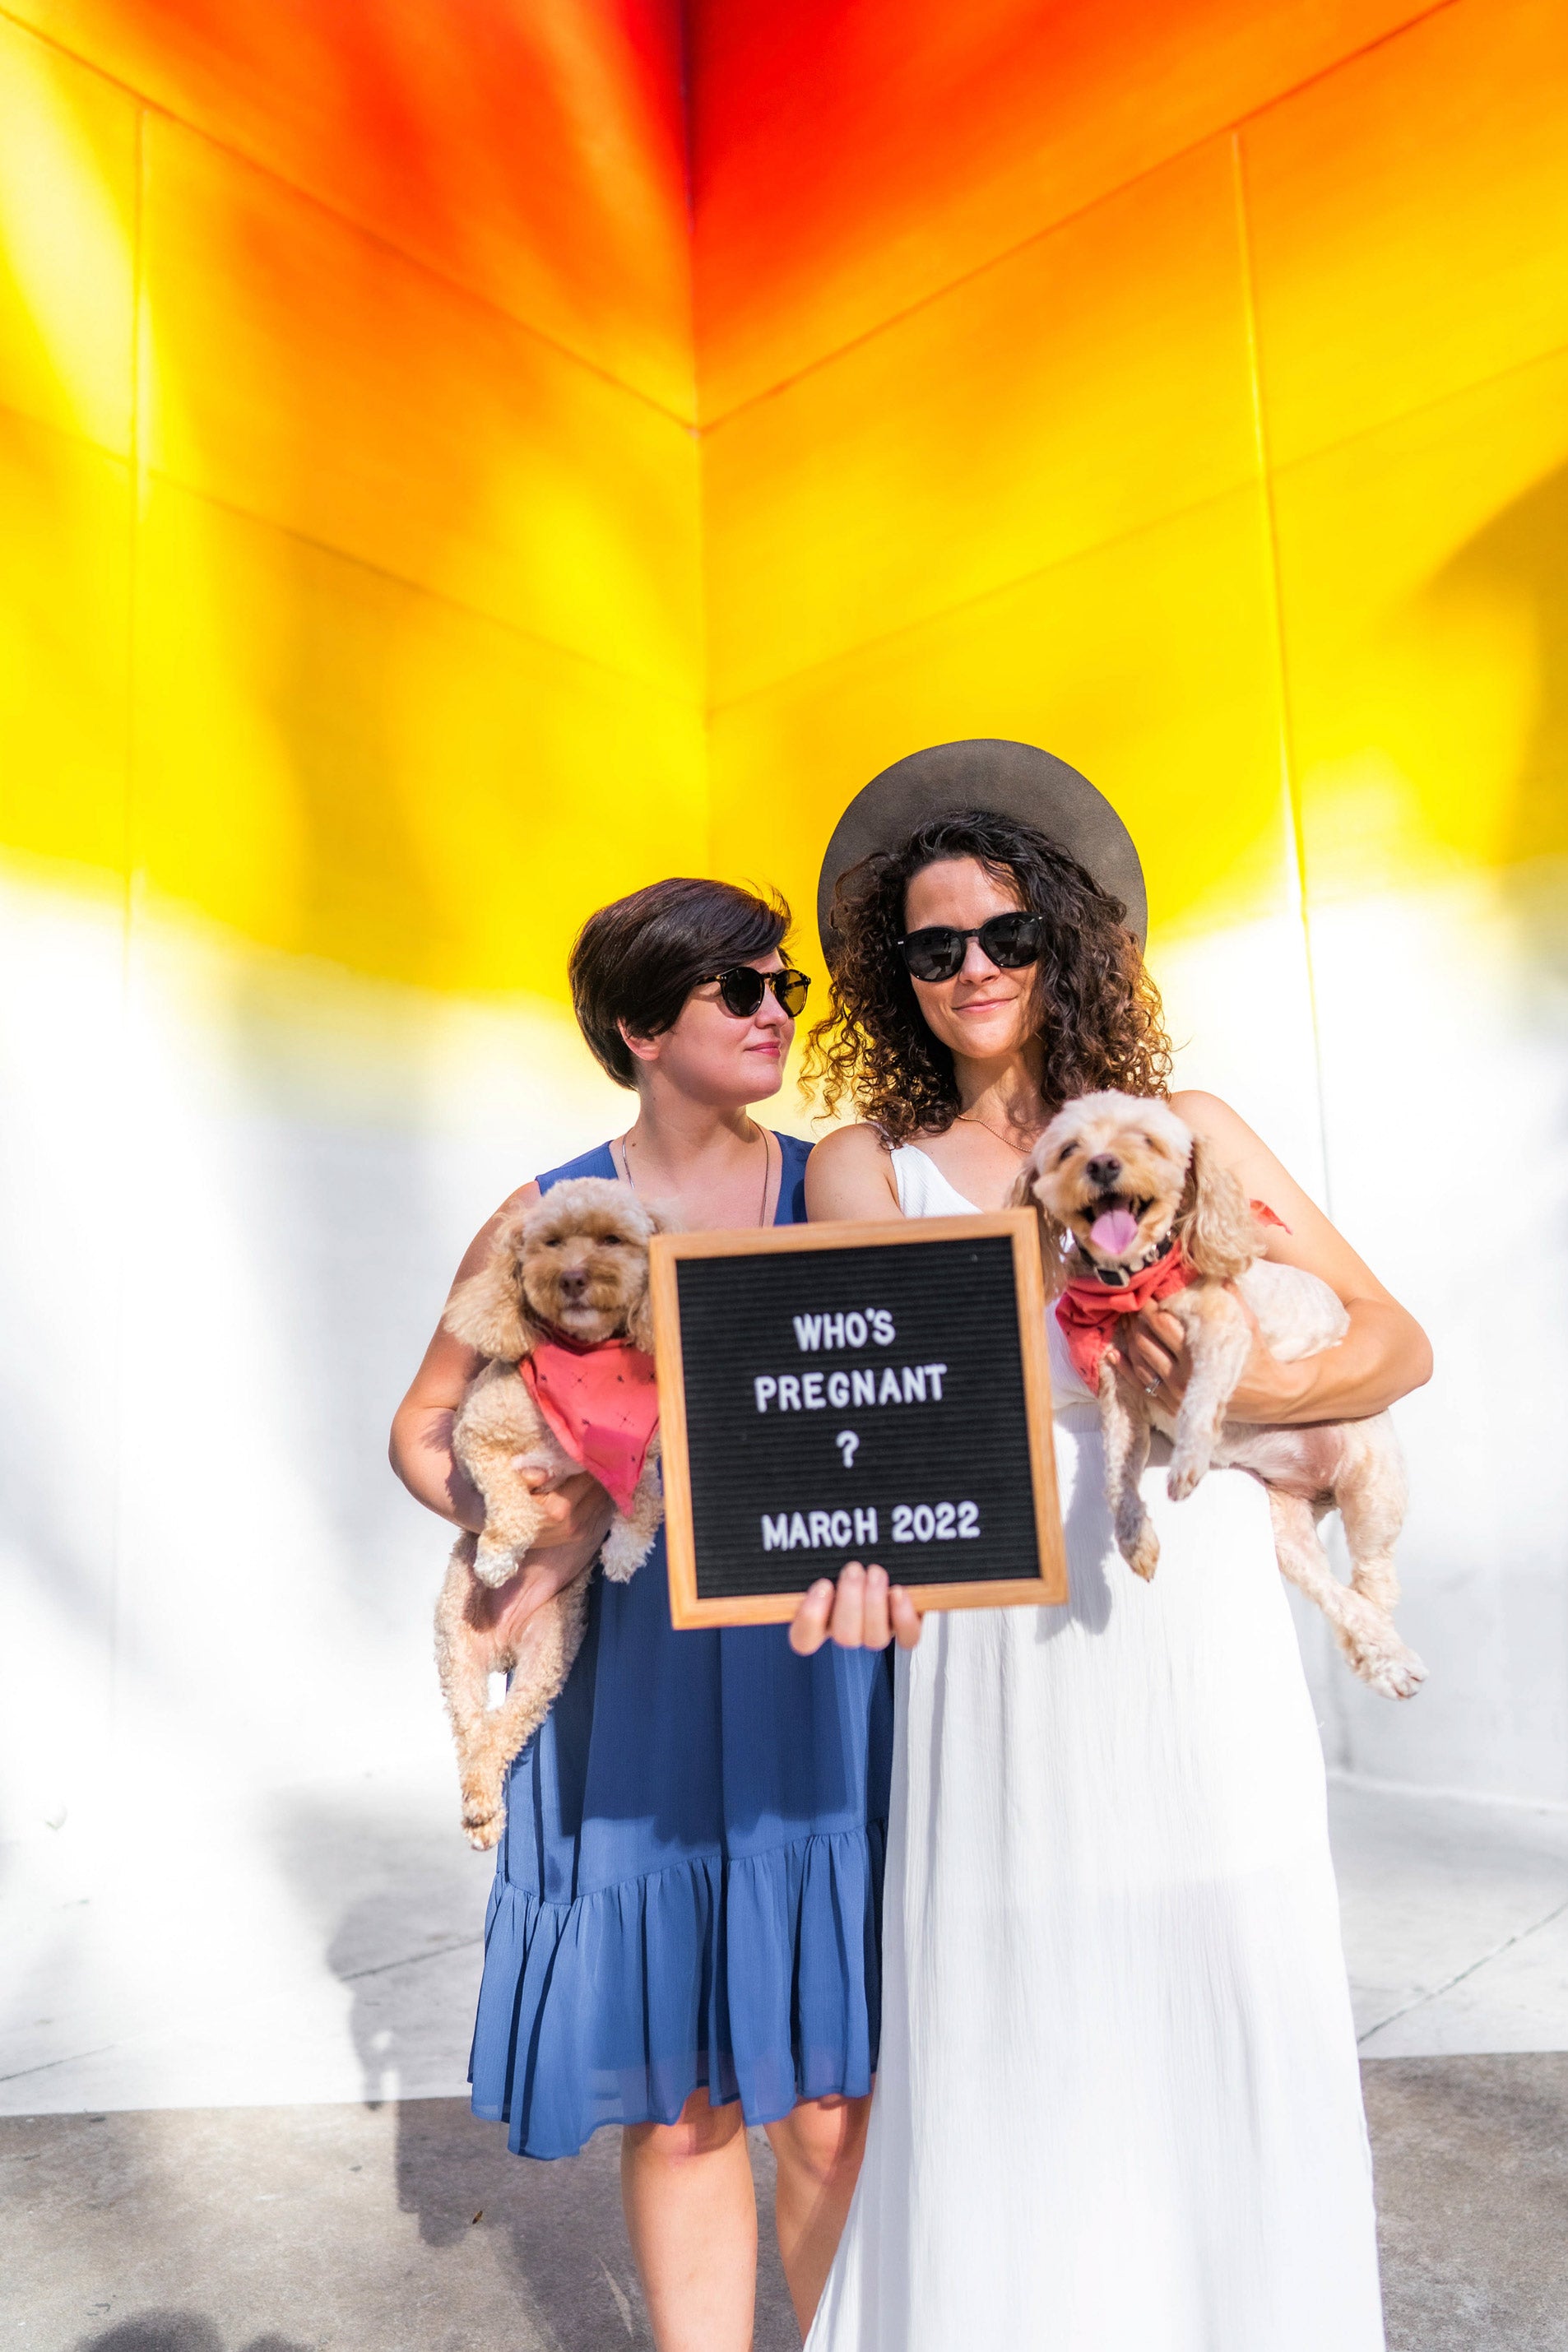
(1117, 1277)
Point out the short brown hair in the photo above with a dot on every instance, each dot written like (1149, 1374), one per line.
(639, 960)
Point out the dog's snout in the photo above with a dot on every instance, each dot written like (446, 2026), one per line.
(574, 1280)
(1103, 1171)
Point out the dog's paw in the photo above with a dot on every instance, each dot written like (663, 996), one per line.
(1375, 1651)
(621, 1562)
(1393, 1671)
(1185, 1475)
(481, 1825)
(1141, 1551)
(622, 1555)
(494, 1563)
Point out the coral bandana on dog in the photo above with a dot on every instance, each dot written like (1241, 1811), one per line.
(1089, 1310)
(601, 1405)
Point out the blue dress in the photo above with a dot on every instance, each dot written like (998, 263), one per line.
(689, 1887)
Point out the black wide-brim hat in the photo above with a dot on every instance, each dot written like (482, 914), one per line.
(1015, 780)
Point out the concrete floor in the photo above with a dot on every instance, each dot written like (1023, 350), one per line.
(407, 2228)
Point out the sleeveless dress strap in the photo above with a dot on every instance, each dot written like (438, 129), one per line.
(596, 1162)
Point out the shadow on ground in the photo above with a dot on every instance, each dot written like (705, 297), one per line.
(176, 2331)
(403, 2227)
(409, 2228)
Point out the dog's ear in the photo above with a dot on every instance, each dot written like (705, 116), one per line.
(661, 1217)
(1054, 1237)
(639, 1323)
(1214, 1221)
(488, 1312)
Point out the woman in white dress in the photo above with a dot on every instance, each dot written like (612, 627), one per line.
(1118, 2107)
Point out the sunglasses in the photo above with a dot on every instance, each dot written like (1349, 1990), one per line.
(1009, 941)
(742, 988)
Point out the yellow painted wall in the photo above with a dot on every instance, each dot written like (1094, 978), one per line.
(352, 566)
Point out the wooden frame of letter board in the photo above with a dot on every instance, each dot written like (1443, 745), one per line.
(666, 1252)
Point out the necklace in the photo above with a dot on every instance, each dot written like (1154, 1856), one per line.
(622, 1142)
(971, 1119)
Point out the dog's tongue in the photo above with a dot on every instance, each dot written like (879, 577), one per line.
(1114, 1232)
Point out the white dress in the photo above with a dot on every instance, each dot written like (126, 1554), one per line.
(1118, 2107)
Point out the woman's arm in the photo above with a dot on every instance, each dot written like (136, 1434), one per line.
(577, 1512)
(849, 1178)
(1382, 1356)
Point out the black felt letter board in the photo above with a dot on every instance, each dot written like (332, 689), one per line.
(858, 1403)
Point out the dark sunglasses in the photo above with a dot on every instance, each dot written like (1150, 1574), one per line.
(742, 988)
(1008, 941)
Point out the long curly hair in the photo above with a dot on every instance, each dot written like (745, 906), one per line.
(1097, 1012)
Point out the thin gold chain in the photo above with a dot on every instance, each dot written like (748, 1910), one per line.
(969, 1119)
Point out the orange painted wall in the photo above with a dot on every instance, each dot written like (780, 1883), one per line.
(1159, 385)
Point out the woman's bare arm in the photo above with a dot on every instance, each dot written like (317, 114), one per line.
(849, 1178)
(577, 1512)
(1382, 1356)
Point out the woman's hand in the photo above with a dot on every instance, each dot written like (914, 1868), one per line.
(862, 1611)
(577, 1519)
(1155, 1352)
(577, 1511)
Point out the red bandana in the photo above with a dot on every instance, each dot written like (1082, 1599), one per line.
(1090, 1311)
(602, 1403)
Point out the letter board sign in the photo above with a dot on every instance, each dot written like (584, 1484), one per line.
(877, 1392)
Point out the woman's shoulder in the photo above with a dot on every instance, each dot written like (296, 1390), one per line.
(1208, 1116)
(597, 1162)
(860, 1146)
(851, 1177)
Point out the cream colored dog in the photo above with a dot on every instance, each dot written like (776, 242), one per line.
(1129, 1199)
(566, 1279)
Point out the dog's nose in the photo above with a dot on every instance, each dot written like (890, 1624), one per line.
(1103, 1172)
(574, 1282)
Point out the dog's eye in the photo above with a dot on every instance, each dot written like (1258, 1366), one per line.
(610, 1241)
(1066, 1154)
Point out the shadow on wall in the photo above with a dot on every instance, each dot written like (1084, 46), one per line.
(177, 2331)
(400, 1903)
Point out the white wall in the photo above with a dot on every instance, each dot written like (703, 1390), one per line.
(232, 1191)
(1419, 1089)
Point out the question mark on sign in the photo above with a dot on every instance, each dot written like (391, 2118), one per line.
(847, 1442)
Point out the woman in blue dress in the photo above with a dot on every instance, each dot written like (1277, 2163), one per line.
(683, 1933)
